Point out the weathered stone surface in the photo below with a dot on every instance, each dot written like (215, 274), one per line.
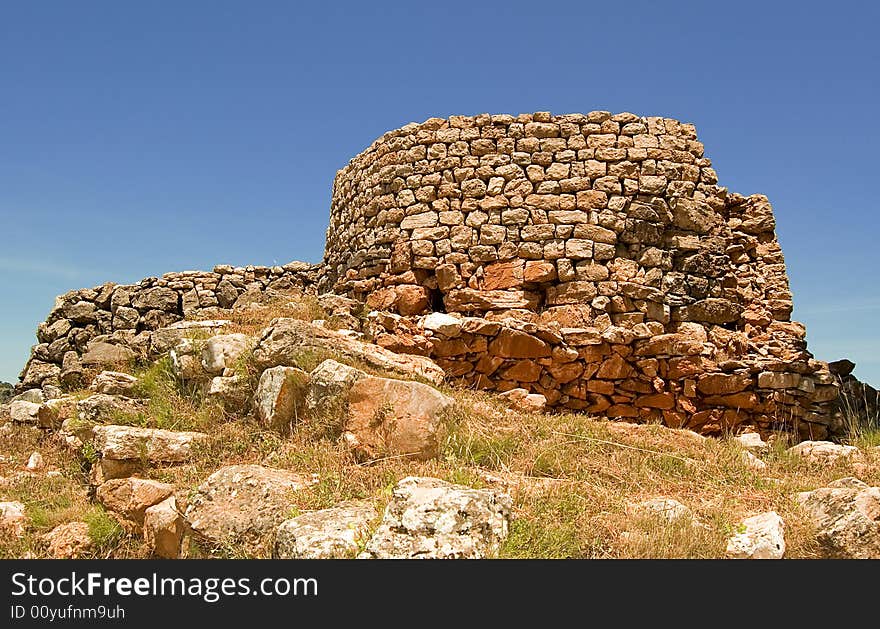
(164, 528)
(224, 351)
(471, 300)
(522, 400)
(150, 444)
(243, 505)
(69, 541)
(428, 518)
(130, 497)
(846, 515)
(826, 452)
(512, 343)
(333, 533)
(752, 441)
(280, 399)
(24, 412)
(12, 518)
(101, 407)
(441, 323)
(114, 383)
(762, 537)
(667, 509)
(107, 354)
(380, 416)
(285, 340)
(232, 392)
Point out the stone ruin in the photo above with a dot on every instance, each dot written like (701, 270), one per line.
(591, 258)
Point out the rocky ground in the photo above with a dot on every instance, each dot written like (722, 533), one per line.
(279, 430)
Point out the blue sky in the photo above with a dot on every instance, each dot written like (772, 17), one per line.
(140, 138)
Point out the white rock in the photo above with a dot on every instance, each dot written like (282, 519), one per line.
(847, 518)
(151, 444)
(441, 323)
(224, 351)
(23, 412)
(12, 518)
(113, 383)
(280, 396)
(333, 533)
(826, 452)
(243, 505)
(751, 441)
(763, 537)
(753, 462)
(666, 508)
(35, 462)
(163, 529)
(429, 518)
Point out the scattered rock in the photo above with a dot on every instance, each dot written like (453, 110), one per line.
(35, 463)
(285, 341)
(12, 518)
(753, 462)
(846, 515)
(333, 533)
(53, 413)
(114, 383)
(224, 351)
(69, 541)
(243, 504)
(751, 441)
(130, 497)
(826, 452)
(34, 396)
(101, 407)
(522, 400)
(667, 509)
(429, 518)
(147, 444)
(164, 527)
(380, 416)
(23, 412)
(280, 399)
(763, 537)
(232, 392)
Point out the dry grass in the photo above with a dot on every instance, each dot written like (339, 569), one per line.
(572, 478)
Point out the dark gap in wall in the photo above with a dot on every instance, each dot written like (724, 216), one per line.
(435, 298)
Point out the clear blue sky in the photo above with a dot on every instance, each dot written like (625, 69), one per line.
(140, 138)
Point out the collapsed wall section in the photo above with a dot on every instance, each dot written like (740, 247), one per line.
(112, 323)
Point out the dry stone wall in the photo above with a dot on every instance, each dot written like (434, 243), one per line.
(652, 291)
(591, 258)
(112, 323)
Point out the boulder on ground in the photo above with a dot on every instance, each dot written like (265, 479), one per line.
(429, 518)
(163, 529)
(243, 505)
(69, 541)
(224, 351)
(23, 412)
(333, 533)
(846, 515)
(762, 537)
(148, 444)
(522, 400)
(280, 398)
(666, 509)
(130, 497)
(826, 452)
(12, 518)
(380, 416)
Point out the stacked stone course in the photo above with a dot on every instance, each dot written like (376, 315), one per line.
(116, 319)
(650, 290)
